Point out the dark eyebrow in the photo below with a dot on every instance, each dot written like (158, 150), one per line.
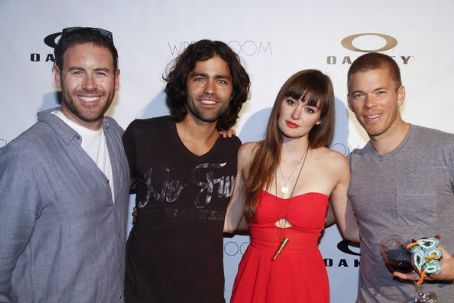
(75, 68)
(100, 69)
(192, 75)
(222, 77)
(379, 88)
(219, 76)
(356, 91)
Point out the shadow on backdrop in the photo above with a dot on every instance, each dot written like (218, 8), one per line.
(340, 137)
(50, 100)
(255, 126)
(155, 108)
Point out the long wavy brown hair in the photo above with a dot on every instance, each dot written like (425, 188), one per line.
(313, 87)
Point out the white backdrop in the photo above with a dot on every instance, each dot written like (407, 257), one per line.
(274, 40)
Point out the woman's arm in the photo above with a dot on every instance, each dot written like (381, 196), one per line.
(330, 218)
(234, 217)
(343, 211)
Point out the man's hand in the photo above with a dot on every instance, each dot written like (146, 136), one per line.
(447, 269)
(227, 133)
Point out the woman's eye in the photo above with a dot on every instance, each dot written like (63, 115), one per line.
(290, 101)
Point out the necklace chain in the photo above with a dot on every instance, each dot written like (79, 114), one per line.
(284, 189)
(283, 221)
(291, 193)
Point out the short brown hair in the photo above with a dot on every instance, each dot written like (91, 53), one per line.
(373, 60)
(80, 35)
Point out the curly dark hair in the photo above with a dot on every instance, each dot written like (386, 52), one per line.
(80, 35)
(176, 78)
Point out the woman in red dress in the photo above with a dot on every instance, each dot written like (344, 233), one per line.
(283, 186)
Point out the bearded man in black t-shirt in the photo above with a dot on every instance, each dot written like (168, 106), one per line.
(183, 172)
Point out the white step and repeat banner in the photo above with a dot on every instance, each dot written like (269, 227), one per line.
(274, 40)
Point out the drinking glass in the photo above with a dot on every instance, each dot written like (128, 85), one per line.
(398, 258)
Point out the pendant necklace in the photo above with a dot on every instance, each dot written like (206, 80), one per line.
(285, 181)
(282, 222)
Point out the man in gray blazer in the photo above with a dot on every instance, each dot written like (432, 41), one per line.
(64, 186)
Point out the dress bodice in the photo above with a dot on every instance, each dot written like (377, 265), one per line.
(305, 212)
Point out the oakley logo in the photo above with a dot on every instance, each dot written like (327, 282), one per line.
(50, 40)
(364, 43)
(390, 42)
(340, 147)
(344, 246)
(330, 262)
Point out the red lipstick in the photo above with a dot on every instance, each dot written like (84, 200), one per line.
(291, 124)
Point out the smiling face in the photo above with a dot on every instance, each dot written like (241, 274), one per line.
(88, 83)
(375, 100)
(297, 117)
(209, 90)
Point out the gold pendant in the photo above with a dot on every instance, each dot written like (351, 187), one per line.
(280, 248)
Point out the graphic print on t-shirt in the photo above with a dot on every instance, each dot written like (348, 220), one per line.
(203, 176)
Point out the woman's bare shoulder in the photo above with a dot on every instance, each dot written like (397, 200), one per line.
(331, 158)
(248, 149)
(246, 153)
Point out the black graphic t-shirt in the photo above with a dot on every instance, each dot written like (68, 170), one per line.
(174, 251)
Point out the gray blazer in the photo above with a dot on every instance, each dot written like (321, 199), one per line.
(62, 233)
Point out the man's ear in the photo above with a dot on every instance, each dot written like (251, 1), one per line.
(350, 103)
(57, 76)
(117, 79)
(400, 95)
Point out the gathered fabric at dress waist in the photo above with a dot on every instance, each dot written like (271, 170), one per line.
(270, 238)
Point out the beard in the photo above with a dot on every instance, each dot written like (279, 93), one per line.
(86, 112)
(209, 116)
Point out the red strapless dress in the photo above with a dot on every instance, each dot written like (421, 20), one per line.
(299, 273)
